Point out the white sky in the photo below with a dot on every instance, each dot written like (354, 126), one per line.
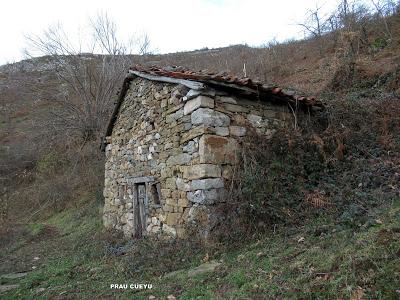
(172, 25)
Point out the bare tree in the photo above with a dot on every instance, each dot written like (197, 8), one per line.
(143, 43)
(383, 9)
(105, 33)
(315, 25)
(88, 81)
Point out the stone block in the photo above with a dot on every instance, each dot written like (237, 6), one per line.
(190, 147)
(169, 230)
(185, 119)
(217, 149)
(235, 108)
(201, 171)
(227, 100)
(170, 201)
(170, 183)
(129, 216)
(180, 159)
(175, 195)
(209, 117)
(168, 146)
(206, 184)
(187, 126)
(221, 131)
(227, 172)
(237, 130)
(165, 193)
(200, 101)
(173, 100)
(270, 114)
(193, 133)
(168, 208)
(173, 218)
(158, 96)
(183, 202)
(171, 119)
(173, 110)
(206, 196)
(182, 185)
(255, 120)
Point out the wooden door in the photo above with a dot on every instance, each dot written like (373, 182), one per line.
(139, 210)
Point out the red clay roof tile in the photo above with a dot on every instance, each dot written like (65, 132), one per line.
(205, 76)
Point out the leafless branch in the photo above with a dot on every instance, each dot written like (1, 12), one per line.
(88, 81)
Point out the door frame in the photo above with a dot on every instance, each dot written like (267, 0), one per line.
(140, 210)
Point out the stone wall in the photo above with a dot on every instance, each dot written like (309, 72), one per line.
(185, 149)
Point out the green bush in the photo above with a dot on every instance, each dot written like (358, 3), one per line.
(378, 44)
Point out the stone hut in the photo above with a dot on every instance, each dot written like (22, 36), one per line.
(172, 140)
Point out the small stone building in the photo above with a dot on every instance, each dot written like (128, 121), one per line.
(172, 141)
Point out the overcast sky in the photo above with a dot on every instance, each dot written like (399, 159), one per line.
(172, 25)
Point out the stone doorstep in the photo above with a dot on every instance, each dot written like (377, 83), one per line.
(201, 269)
(204, 268)
(8, 287)
(14, 275)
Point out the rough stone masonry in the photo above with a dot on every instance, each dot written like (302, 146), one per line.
(171, 152)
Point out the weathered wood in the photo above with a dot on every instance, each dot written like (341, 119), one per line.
(194, 85)
(158, 187)
(142, 208)
(135, 208)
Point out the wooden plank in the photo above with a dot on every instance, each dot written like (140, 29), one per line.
(158, 186)
(135, 211)
(194, 85)
(142, 209)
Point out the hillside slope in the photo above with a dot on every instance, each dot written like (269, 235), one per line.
(347, 247)
(69, 257)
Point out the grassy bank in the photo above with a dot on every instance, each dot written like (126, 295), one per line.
(70, 256)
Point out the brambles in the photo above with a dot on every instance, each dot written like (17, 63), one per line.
(298, 175)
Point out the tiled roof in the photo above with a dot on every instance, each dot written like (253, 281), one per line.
(276, 93)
